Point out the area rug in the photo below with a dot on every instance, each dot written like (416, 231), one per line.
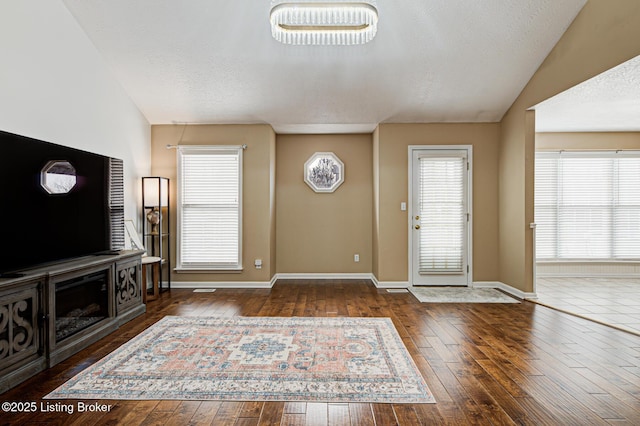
(257, 359)
(461, 295)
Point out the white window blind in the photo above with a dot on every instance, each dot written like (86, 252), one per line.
(210, 207)
(587, 206)
(442, 214)
(116, 203)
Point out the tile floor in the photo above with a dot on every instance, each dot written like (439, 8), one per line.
(611, 301)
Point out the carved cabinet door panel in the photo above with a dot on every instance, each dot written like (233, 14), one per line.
(20, 337)
(128, 285)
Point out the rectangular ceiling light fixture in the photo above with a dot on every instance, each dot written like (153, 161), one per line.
(335, 22)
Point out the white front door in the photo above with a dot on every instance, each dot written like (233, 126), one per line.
(440, 216)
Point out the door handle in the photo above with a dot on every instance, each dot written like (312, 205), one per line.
(417, 226)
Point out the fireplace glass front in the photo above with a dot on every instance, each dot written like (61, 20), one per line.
(80, 303)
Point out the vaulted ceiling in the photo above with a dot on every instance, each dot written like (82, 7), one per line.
(214, 61)
(609, 102)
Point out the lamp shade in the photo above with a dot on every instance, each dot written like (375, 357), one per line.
(155, 191)
(337, 22)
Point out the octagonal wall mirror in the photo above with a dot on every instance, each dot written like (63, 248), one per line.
(58, 177)
(324, 172)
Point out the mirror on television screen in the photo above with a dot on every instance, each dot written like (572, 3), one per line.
(58, 177)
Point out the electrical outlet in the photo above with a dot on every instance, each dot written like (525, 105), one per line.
(356, 258)
(258, 263)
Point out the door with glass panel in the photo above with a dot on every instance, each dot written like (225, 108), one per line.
(440, 216)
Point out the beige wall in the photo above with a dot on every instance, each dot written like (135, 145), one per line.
(258, 239)
(320, 232)
(56, 87)
(295, 230)
(588, 141)
(391, 142)
(603, 35)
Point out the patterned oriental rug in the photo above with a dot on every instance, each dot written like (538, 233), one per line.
(257, 359)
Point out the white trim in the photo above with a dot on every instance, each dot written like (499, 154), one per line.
(221, 284)
(382, 285)
(375, 281)
(393, 284)
(389, 284)
(506, 288)
(184, 270)
(321, 276)
(290, 276)
(345, 276)
(534, 269)
(469, 149)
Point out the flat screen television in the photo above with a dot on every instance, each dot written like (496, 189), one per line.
(55, 203)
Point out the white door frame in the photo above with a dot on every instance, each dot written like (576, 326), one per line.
(411, 234)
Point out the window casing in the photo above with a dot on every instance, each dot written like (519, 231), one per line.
(587, 206)
(209, 208)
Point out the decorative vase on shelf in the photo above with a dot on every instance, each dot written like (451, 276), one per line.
(154, 219)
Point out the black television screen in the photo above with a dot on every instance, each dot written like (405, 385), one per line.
(40, 222)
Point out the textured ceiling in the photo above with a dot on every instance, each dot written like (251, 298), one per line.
(608, 102)
(214, 61)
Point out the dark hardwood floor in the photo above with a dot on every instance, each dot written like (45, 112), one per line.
(485, 363)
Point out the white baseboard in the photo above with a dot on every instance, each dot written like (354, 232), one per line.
(392, 284)
(346, 276)
(388, 284)
(321, 276)
(506, 288)
(379, 284)
(222, 284)
(486, 284)
(282, 276)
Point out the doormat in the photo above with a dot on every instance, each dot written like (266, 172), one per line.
(461, 295)
(257, 359)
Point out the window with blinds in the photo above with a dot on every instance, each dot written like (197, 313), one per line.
(587, 206)
(210, 208)
(442, 214)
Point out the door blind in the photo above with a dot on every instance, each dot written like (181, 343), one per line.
(210, 208)
(442, 214)
(587, 206)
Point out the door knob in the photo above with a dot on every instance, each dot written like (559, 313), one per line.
(417, 226)
(417, 217)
